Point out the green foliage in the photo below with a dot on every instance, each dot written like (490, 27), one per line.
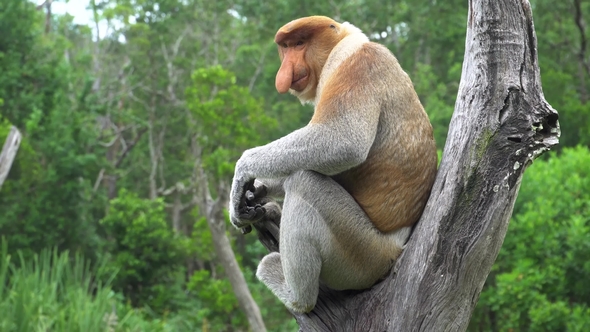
(202, 241)
(145, 251)
(44, 201)
(59, 292)
(219, 306)
(4, 130)
(216, 305)
(540, 280)
(51, 292)
(435, 98)
(228, 118)
(27, 62)
(45, 198)
(565, 76)
(574, 113)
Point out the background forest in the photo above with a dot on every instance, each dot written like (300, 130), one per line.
(130, 135)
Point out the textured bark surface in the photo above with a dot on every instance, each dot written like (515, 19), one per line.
(8, 152)
(500, 125)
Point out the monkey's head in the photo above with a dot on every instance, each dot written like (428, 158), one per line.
(304, 46)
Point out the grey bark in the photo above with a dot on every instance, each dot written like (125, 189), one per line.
(8, 153)
(500, 125)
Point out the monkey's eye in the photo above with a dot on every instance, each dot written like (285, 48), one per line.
(299, 43)
(284, 45)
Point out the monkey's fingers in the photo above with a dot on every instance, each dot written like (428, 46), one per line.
(249, 186)
(252, 213)
(256, 193)
(243, 200)
(250, 196)
(257, 199)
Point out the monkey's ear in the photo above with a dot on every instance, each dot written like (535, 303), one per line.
(335, 28)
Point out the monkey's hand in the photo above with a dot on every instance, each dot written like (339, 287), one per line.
(243, 209)
(252, 206)
(267, 215)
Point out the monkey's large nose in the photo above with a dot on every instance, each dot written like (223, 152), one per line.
(284, 77)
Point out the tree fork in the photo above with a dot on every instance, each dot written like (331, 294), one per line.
(501, 123)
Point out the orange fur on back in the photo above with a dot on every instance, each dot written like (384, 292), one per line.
(393, 184)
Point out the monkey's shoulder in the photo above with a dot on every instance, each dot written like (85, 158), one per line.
(371, 65)
(373, 56)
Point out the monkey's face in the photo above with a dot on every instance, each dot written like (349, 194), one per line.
(304, 46)
(294, 72)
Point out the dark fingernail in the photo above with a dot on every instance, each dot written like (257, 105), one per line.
(250, 195)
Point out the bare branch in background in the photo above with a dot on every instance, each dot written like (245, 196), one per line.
(584, 66)
(8, 152)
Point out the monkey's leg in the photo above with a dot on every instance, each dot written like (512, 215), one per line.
(323, 215)
(324, 233)
(293, 275)
(301, 294)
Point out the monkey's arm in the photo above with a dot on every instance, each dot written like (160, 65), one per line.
(328, 147)
(316, 147)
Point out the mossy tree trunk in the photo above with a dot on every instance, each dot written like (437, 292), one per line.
(500, 125)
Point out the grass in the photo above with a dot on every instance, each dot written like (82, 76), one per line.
(59, 292)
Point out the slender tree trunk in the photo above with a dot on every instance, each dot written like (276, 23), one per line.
(584, 68)
(177, 212)
(227, 258)
(500, 125)
(48, 17)
(213, 211)
(8, 153)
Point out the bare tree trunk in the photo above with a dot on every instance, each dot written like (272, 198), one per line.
(225, 254)
(500, 125)
(9, 153)
(213, 211)
(582, 63)
(96, 54)
(176, 212)
(48, 16)
(232, 269)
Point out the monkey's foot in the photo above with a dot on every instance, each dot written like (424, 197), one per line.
(270, 272)
(268, 228)
(266, 211)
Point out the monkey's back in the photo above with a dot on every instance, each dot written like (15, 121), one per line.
(393, 184)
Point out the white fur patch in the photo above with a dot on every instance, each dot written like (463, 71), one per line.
(342, 51)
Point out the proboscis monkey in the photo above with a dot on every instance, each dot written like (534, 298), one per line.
(355, 179)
